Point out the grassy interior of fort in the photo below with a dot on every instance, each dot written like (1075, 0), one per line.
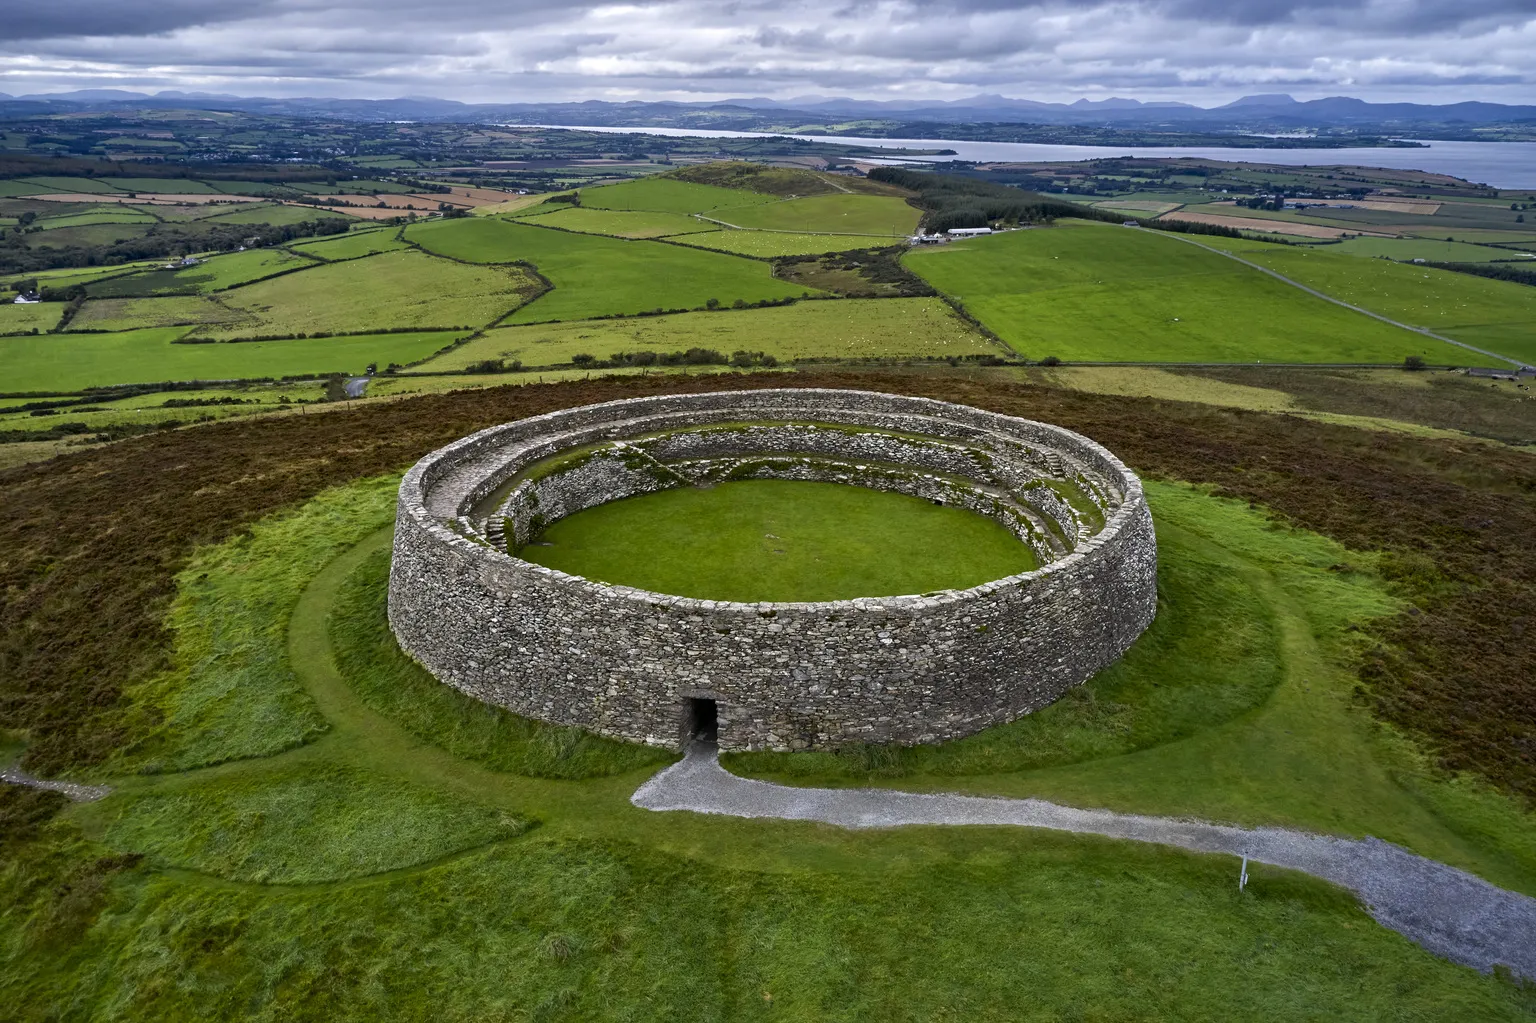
(781, 540)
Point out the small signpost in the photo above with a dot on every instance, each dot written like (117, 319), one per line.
(1242, 878)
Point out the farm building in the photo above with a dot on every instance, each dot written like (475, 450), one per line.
(967, 231)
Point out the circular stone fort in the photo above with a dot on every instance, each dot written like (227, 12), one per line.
(659, 668)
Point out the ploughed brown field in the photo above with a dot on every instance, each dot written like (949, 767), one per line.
(91, 541)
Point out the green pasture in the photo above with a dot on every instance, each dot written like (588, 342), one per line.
(12, 189)
(364, 185)
(781, 540)
(118, 215)
(151, 408)
(852, 328)
(268, 879)
(1496, 315)
(1516, 237)
(667, 195)
(87, 235)
(405, 384)
(624, 223)
(214, 273)
(167, 311)
(834, 213)
(72, 362)
(388, 290)
(173, 186)
(598, 276)
(279, 215)
(44, 184)
(66, 278)
(1409, 249)
(352, 245)
(38, 316)
(264, 188)
(769, 244)
(1098, 293)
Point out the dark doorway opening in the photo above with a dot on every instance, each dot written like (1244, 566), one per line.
(703, 720)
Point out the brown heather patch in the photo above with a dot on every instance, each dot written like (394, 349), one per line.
(90, 543)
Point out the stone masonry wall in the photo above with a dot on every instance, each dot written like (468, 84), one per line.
(624, 662)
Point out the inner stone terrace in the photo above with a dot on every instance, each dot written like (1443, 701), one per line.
(650, 667)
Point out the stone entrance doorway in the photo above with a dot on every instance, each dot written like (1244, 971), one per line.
(703, 720)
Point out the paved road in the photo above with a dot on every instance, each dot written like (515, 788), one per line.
(1448, 911)
(356, 386)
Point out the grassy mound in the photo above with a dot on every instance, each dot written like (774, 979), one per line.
(781, 540)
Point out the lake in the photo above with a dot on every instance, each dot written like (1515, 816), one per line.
(1499, 164)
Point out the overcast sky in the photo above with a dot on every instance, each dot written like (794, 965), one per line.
(1199, 51)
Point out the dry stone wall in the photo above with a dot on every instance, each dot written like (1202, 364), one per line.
(626, 663)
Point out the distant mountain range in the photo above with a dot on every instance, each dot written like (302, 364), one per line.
(1270, 112)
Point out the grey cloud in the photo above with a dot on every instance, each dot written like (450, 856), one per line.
(940, 49)
(61, 18)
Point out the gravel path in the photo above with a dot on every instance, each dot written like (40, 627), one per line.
(74, 790)
(1448, 911)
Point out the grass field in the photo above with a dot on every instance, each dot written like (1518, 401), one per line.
(87, 235)
(1092, 293)
(45, 184)
(274, 214)
(624, 223)
(169, 311)
(352, 245)
(71, 362)
(780, 540)
(1496, 315)
(666, 195)
(603, 910)
(768, 244)
(65, 278)
(105, 216)
(250, 884)
(847, 329)
(392, 289)
(12, 189)
(837, 213)
(38, 316)
(1408, 249)
(151, 408)
(215, 273)
(172, 186)
(597, 276)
